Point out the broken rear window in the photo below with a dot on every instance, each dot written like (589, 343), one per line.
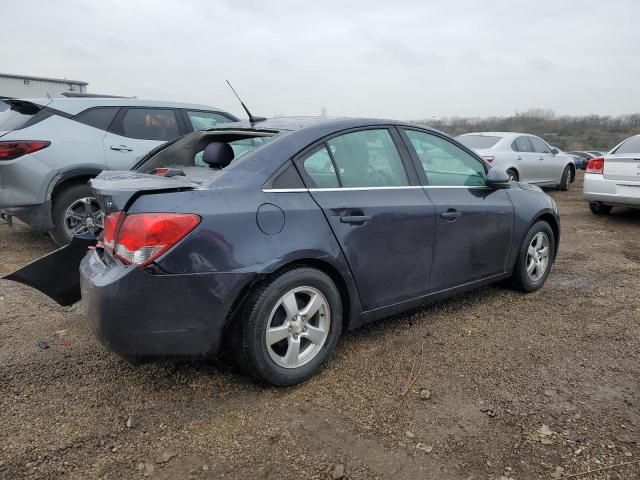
(205, 149)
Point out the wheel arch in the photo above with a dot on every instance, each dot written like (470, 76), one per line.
(555, 227)
(346, 293)
(72, 177)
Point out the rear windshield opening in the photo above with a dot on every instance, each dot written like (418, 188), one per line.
(15, 115)
(206, 149)
(478, 141)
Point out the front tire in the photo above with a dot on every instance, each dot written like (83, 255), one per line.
(75, 211)
(535, 258)
(289, 326)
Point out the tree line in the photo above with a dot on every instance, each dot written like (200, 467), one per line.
(589, 132)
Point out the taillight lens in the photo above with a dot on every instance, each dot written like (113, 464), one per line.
(110, 227)
(488, 158)
(143, 237)
(16, 149)
(595, 165)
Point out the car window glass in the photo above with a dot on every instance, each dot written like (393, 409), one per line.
(150, 124)
(632, 145)
(522, 145)
(539, 146)
(98, 117)
(319, 167)
(444, 163)
(368, 158)
(240, 147)
(205, 120)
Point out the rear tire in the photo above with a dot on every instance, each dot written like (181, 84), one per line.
(513, 175)
(272, 324)
(66, 199)
(528, 274)
(598, 208)
(566, 179)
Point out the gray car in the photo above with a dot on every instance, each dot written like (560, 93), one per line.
(525, 157)
(50, 148)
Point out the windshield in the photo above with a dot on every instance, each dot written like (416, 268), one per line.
(188, 151)
(632, 145)
(478, 141)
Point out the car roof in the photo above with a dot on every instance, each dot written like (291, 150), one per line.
(498, 134)
(290, 124)
(75, 105)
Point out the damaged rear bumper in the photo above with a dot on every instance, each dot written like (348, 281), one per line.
(141, 315)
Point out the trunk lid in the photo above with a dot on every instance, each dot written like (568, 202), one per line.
(117, 190)
(622, 167)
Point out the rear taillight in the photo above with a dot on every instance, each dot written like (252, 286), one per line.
(595, 165)
(16, 149)
(488, 158)
(110, 228)
(143, 237)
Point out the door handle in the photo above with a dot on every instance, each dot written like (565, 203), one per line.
(541, 158)
(355, 219)
(121, 148)
(519, 158)
(451, 215)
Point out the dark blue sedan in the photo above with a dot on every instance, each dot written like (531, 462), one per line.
(273, 238)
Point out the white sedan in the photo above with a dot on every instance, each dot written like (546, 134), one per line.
(614, 180)
(525, 157)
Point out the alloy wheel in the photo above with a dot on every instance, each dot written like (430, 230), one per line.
(538, 256)
(298, 327)
(83, 216)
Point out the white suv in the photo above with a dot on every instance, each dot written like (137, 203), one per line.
(50, 148)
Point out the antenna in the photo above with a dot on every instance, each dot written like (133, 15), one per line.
(252, 120)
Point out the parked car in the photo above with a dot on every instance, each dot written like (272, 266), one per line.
(614, 180)
(525, 157)
(584, 158)
(323, 226)
(50, 148)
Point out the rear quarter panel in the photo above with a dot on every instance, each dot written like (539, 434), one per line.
(229, 238)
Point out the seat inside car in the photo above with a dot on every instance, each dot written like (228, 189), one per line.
(218, 155)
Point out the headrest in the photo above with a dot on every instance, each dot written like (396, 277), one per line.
(218, 154)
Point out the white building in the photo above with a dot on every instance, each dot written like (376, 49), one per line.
(37, 87)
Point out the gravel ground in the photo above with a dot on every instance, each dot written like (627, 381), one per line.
(510, 385)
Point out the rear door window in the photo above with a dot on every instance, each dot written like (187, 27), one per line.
(539, 146)
(200, 120)
(522, 144)
(368, 158)
(319, 167)
(99, 117)
(150, 124)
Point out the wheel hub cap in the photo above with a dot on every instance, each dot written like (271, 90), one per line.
(83, 216)
(298, 327)
(538, 256)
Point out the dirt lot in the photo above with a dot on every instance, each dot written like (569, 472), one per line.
(513, 385)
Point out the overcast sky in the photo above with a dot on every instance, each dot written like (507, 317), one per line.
(391, 58)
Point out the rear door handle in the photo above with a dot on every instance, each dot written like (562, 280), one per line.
(541, 158)
(451, 214)
(355, 219)
(121, 148)
(519, 158)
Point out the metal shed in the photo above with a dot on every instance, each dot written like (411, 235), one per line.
(33, 87)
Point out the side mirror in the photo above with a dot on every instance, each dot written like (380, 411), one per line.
(498, 178)
(555, 151)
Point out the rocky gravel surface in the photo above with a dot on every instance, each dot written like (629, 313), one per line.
(509, 386)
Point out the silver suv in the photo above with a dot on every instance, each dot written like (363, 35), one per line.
(50, 148)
